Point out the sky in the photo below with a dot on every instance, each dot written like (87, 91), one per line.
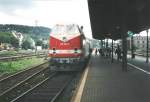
(46, 13)
(143, 33)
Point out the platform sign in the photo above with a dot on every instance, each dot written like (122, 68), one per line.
(130, 33)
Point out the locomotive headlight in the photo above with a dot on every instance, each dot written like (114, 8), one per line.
(54, 50)
(75, 50)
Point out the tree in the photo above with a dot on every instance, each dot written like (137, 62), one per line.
(14, 42)
(44, 46)
(39, 43)
(37, 32)
(26, 45)
(6, 37)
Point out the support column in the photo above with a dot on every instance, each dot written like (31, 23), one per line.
(112, 59)
(147, 56)
(104, 43)
(124, 27)
(124, 49)
(101, 43)
(132, 48)
(107, 43)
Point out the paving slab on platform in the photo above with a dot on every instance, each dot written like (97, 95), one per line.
(106, 82)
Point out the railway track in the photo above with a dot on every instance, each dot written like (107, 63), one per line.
(8, 82)
(42, 86)
(24, 86)
(10, 58)
(48, 90)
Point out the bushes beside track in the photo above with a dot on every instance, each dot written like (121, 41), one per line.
(13, 66)
(8, 53)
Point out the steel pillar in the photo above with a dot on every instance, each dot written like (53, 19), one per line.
(124, 35)
(101, 43)
(112, 59)
(106, 43)
(124, 49)
(132, 48)
(147, 56)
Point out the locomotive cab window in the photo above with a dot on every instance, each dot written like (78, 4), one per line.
(73, 29)
(58, 29)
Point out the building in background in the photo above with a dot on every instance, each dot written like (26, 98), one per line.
(18, 36)
(140, 42)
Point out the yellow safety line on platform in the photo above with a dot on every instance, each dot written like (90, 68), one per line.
(78, 95)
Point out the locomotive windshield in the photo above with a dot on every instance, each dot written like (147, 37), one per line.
(65, 29)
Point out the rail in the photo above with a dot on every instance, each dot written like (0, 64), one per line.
(49, 90)
(10, 58)
(9, 81)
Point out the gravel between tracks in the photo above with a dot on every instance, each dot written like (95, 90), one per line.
(48, 90)
(10, 81)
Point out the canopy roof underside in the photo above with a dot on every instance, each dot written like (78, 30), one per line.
(109, 17)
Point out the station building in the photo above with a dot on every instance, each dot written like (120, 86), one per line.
(139, 42)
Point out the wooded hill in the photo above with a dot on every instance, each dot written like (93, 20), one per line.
(34, 32)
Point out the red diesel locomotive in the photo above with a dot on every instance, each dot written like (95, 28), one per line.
(67, 46)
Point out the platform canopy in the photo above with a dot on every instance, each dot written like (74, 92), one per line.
(109, 17)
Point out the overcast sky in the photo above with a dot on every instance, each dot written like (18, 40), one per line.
(46, 12)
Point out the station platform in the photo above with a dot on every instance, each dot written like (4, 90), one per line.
(106, 82)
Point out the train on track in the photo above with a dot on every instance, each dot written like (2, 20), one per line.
(68, 47)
